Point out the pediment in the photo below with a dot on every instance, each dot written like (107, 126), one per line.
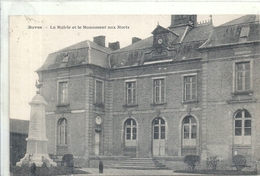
(159, 29)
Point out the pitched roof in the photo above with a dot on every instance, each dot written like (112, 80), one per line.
(19, 126)
(241, 20)
(186, 44)
(241, 30)
(160, 29)
(85, 44)
(199, 33)
(142, 44)
(86, 52)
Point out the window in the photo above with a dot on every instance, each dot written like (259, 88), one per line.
(130, 132)
(190, 88)
(242, 127)
(63, 92)
(131, 93)
(189, 127)
(62, 132)
(243, 76)
(158, 90)
(158, 128)
(99, 92)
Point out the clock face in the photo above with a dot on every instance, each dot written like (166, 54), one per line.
(98, 120)
(160, 41)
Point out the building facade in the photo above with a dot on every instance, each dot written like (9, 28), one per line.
(191, 88)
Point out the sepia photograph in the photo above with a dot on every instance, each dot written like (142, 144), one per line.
(134, 94)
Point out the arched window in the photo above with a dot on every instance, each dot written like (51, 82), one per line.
(159, 128)
(189, 131)
(242, 127)
(62, 132)
(130, 132)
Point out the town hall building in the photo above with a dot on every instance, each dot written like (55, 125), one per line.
(190, 88)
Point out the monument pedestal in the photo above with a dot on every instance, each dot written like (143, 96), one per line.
(38, 159)
(37, 142)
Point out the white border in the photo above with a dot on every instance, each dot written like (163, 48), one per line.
(80, 8)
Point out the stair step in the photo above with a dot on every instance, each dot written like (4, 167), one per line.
(138, 163)
(138, 167)
(141, 158)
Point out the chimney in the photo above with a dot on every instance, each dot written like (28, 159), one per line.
(114, 46)
(100, 40)
(180, 20)
(135, 39)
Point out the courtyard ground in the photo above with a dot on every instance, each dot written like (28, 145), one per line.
(110, 171)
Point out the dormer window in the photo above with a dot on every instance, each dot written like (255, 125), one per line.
(244, 34)
(65, 59)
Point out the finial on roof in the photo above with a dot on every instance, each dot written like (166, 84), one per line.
(157, 23)
(210, 18)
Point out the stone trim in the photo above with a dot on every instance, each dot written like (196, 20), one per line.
(156, 74)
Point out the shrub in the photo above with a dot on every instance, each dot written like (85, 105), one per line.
(23, 170)
(239, 161)
(192, 161)
(44, 164)
(212, 162)
(68, 161)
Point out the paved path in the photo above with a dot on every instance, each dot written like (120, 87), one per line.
(110, 171)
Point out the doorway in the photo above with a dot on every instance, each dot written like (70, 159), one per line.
(158, 137)
(97, 143)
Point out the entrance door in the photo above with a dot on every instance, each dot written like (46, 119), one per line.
(189, 135)
(97, 142)
(158, 137)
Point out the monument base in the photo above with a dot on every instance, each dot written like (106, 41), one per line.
(38, 159)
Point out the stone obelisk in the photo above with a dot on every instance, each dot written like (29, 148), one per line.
(37, 142)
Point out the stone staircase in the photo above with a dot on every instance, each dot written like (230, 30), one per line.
(139, 163)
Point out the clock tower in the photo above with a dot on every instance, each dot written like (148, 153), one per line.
(162, 38)
(162, 49)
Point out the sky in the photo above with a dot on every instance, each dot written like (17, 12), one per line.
(27, 49)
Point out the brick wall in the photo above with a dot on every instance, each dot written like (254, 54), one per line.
(220, 108)
(213, 110)
(173, 112)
